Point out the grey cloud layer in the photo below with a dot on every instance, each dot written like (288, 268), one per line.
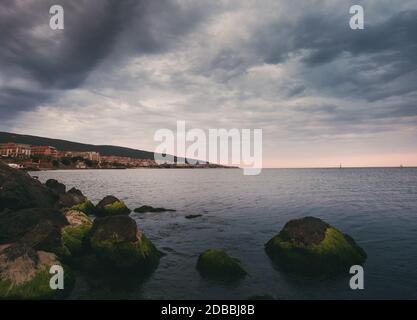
(49, 61)
(295, 69)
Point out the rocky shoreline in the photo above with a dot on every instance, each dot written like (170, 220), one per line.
(42, 225)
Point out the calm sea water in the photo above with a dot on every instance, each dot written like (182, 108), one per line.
(377, 207)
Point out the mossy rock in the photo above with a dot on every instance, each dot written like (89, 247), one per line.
(216, 264)
(311, 246)
(87, 207)
(118, 243)
(111, 206)
(24, 274)
(75, 234)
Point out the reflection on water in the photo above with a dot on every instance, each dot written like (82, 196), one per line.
(377, 207)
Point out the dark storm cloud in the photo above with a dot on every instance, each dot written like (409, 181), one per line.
(49, 61)
(389, 46)
(58, 60)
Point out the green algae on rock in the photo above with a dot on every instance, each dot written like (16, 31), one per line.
(74, 235)
(86, 207)
(118, 243)
(311, 246)
(216, 264)
(24, 273)
(111, 206)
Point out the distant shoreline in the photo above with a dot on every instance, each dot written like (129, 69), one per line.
(194, 168)
(137, 168)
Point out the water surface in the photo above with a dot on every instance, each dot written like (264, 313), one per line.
(377, 207)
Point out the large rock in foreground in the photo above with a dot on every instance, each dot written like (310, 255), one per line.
(24, 273)
(111, 206)
(216, 264)
(38, 227)
(311, 246)
(118, 243)
(18, 190)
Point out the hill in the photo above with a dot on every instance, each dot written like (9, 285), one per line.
(64, 145)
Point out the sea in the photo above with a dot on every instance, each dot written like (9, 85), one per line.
(376, 206)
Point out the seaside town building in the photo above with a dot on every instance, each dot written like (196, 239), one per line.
(15, 150)
(44, 151)
(128, 161)
(88, 155)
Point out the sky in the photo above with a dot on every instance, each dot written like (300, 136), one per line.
(322, 93)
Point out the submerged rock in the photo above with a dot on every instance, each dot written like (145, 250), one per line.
(75, 234)
(18, 190)
(312, 246)
(144, 209)
(216, 264)
(24, 273)
(111, 206)
(193, 216)
(118, 243)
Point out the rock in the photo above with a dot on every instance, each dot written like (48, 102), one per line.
(110, 206)
(18, 190)
(75, 234)
(57, 187)
(311, 246)
(216, 264)
(118, 243)
(45, 236)
(144, 209)
(193, 216)
(39, 227)
(86, 207)
(74, 199)
(24, 273)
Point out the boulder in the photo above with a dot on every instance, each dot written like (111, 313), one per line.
(39, 227)
(118, 243)
(144, 209)
(74, 199)
(24, 273)
(45, 236)
(54, 185)
(18, 190)
(216, 264)
(312, 246)
(111, 206)
(75, 234)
